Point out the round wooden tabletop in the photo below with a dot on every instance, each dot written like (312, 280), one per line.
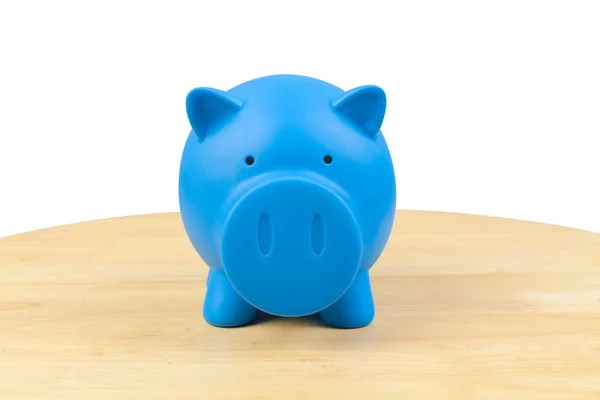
(468, 307)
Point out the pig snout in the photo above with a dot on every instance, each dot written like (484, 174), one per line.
(291, 246)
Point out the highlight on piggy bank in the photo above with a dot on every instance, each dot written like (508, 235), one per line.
(287, 192)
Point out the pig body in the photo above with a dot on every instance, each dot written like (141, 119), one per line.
(287, 192)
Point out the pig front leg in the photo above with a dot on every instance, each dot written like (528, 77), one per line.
(355, 309)
(223, 307)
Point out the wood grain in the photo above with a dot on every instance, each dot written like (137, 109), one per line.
(468, 307)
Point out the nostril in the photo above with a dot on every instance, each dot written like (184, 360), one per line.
(318, 235)
(265, 234)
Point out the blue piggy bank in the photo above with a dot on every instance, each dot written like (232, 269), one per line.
(287, 192)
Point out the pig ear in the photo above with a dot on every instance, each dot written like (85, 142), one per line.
(208, 109)
(364, 107)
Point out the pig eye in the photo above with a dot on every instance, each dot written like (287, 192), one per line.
(327, 159)
(249, 160)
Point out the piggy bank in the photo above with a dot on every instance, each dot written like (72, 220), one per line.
(287, 192)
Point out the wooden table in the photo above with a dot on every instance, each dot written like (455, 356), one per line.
(468, 307)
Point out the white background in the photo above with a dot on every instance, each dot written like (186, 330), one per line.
(493, 107)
